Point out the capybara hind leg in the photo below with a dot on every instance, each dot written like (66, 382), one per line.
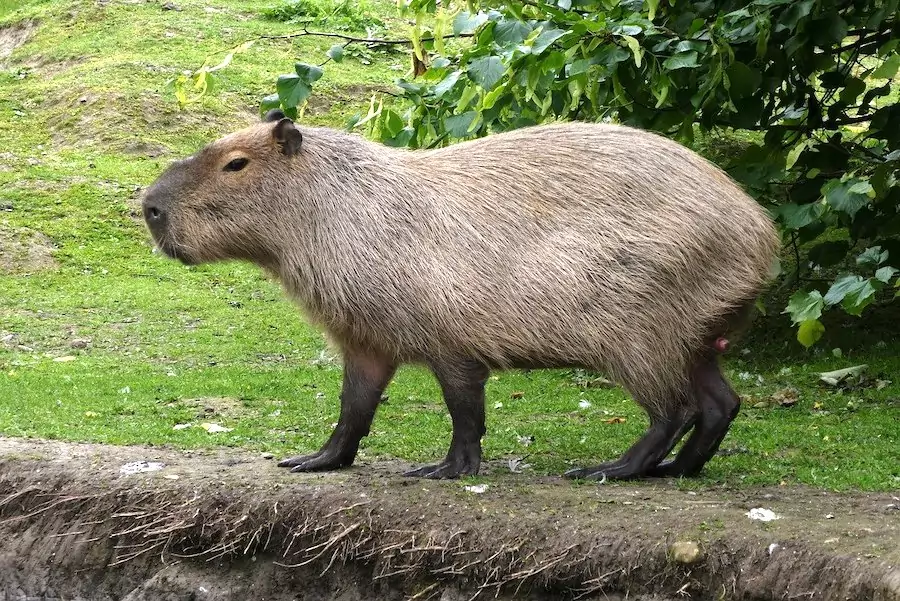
(719, 405)
(659, 440)
(462, 385)
(365, 378)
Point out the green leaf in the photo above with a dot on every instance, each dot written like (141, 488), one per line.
(466, 22)
(797, 216)
(446, 84)
(292, 90)
(829, 253)
(744, 80)
(393, 123)
(272, 101)
(486, 71)
(308, 73)
(872, 257)
(805, 306)
(336, 53)
(888, 69)
(652, 5)
(545, 38)
(511, 32)
(849, 196)
(635, 48)
(682, 60)
(458, 125)
(884, 274)
(859, 298)
(841, 287)
(810, 332)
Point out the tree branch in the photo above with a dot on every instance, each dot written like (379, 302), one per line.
(353, 39)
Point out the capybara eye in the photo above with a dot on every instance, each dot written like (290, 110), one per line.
(236, 165)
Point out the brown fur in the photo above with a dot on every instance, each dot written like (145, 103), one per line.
(567, 244)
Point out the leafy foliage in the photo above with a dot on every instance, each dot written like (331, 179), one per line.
(816, 79)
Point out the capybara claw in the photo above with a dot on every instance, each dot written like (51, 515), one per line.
(442, 471)
(313, 463)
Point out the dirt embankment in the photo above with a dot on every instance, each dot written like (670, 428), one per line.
(231, 526)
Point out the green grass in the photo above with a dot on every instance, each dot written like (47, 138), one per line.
(84, 104)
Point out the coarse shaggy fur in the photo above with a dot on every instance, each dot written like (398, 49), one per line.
(594, 245)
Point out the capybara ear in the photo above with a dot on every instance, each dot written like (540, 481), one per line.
(288, 137)
(273, 116)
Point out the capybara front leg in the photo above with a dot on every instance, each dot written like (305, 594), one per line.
(365, 378)
(462, 385)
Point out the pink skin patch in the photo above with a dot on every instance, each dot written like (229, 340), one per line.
(721, 345)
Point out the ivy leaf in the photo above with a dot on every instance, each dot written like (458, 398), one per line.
(872, 257)
(849, 196)
(336, 53)
(884, 274)
(797, 216)
(888, 69)
(805, 306)
(292, 90)
(458, 125)
(272, 101)
(682, 60)
(511, 32)
(810, 332)
(446, 84)
(859, 298)
(308, 73)
(545, 38)
(853, 292)
(486, 71)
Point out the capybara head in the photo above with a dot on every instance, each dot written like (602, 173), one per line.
(207, 207)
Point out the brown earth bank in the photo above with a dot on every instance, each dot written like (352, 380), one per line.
(228, 525)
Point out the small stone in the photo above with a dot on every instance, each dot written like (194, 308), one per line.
(685, 552)
(268, 456)
(80, 343)
(170, 6)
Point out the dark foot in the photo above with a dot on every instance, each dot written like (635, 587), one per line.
(317, 462)
(448, 470)
(462, 460)
(613, 470)
(673, 469)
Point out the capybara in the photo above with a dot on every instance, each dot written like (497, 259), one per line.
(596, 246)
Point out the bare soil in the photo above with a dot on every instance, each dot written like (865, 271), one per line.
(13, 36)
(23, 250)
(228, 525)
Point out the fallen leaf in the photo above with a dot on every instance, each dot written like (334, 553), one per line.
(517, 395)
(786, 397)
(91, 414)
(477, 488)
(761, 514)
(838, 376)
(615, 420)
(215, 428)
